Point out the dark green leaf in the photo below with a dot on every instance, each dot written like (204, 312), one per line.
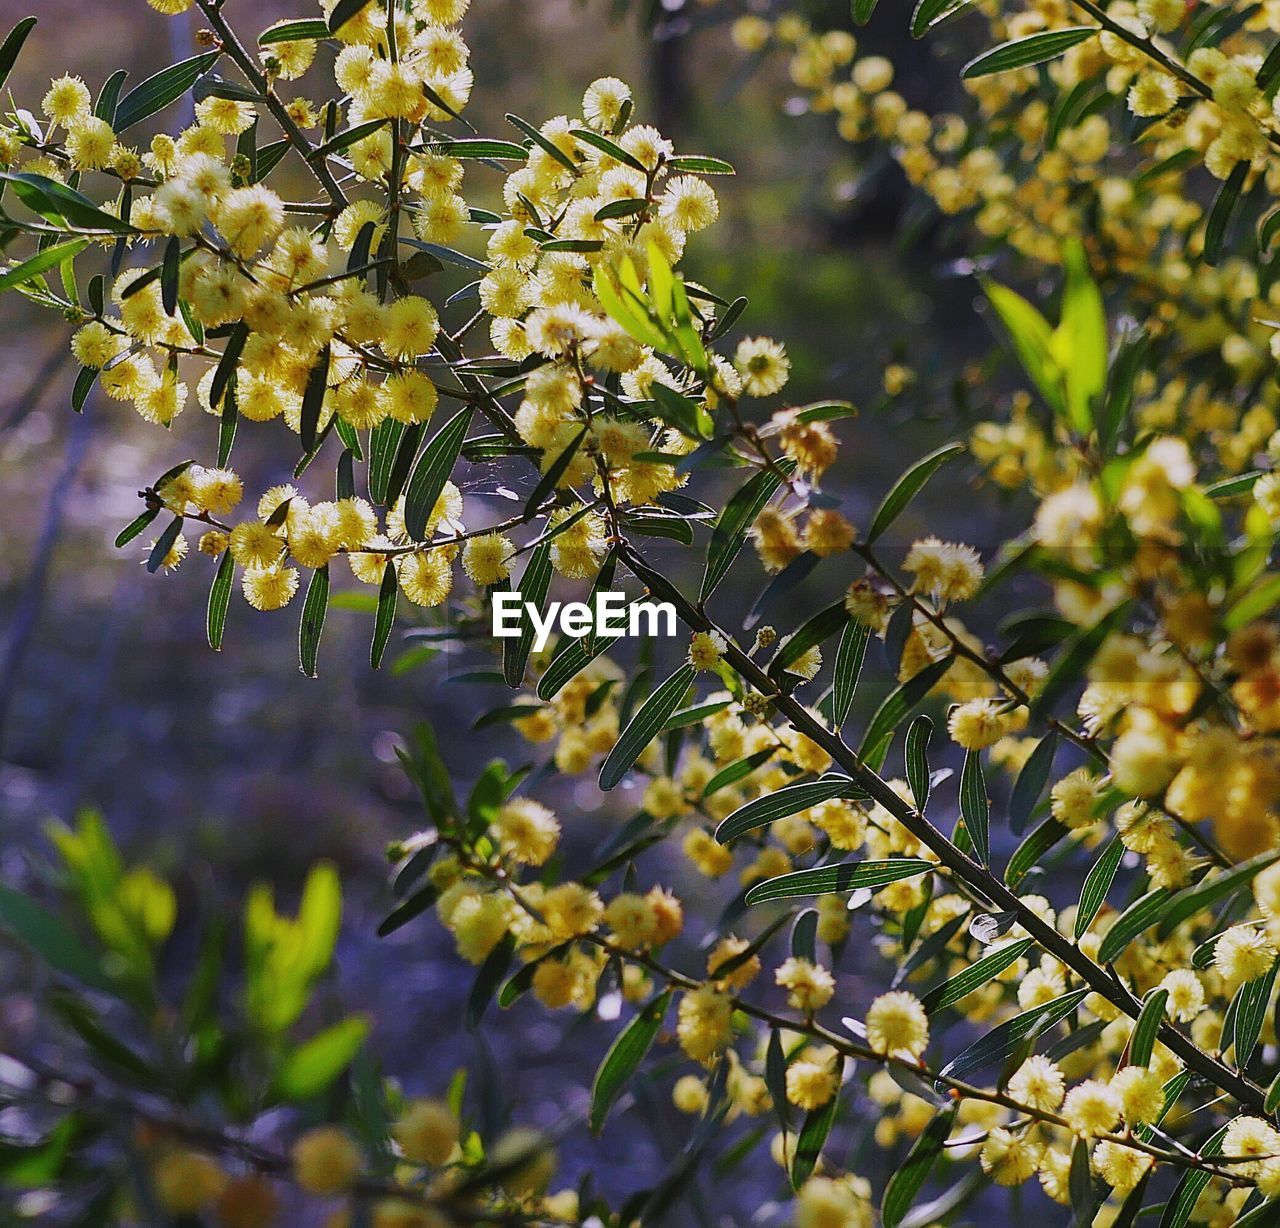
(1023, 52)
(1224, 203)
(644, 726)
(313, 400)
(826, 622)
(975, 976)
(1004, 1040)
(770, 807)
(1177, 1211)
(699, 164)
(813, 1136)
(293, 31)
(219, 600)
(1031, 781)
(491, 974)
(137, 526)
(1096, 885)
(158, 91)
(432, 471)
(850, 653)
(901, 703)
(738, 770)
(917, 758)
(164, 543)
(862, 10)
(730, 533)
(533, 589)
(828, 880)
(906, 1183)
(314, 609)
(1252, 1001)
(12, 46)
(386, 616)
(1147, 1027)
(1140, 915)
(975, 806)
(343, 12)
(1213, 887)
(908, 486)
(928, 13)
(624, 1057)
(48, 937)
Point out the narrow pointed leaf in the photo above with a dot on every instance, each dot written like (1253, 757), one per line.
(432, 471)
(829, 880)
(624, 1057)
(644, 726)
(975, 976)
(771, 807)
(908, 486)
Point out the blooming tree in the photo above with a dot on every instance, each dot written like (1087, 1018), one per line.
(1103, 1031)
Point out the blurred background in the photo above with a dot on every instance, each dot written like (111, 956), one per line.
(222, 768)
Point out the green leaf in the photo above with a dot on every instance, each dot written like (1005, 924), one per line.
(610, 148)
(1070, 665)
(1252, 1001)
(11, 48)
(475, 147)
(310, 1068)
(219, 600)
(41, 262)
(738, 770)
(547, 146)
(293, 32)
(908, 486)
(432, 471)
(1024, 52)
(1032, 341)
(1027, 855)
(414, 906)
(1259, 600)
(975, 976)
(1031, 781)
(534, 584)
(730, 532)
(975, 806)
(343, 12)
(826, 622)
(928, 13)
(1140, 915)
(624, 1057)
(1177, 1211)
(917, 758)
(164, 543)
(1224, 204)
(770, 807)
(314, 609)
(345, 139)
(1147, 1028)
(829, 880)
(136, 527)
(900, 703)
(313, 400)
(488, 979)
(644, 726)
(1080, 341)
(1003, 1041)
(813, 1136)
(64, 206)
(386, 615)
(850, 653)
(699, 164)
(907, 1182)
(1213, 887)
(862, 10)
(1096, 885)
(1241, 484)
(48, 937)
(158, 91)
